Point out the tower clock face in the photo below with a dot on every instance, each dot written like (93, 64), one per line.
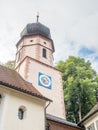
(44, 80)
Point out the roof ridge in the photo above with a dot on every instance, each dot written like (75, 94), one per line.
(61, 120)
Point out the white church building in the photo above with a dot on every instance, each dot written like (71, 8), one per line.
(31, 96)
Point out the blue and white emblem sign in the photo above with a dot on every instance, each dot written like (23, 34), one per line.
(44, 80)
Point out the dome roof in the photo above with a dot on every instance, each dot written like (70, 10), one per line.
(36, 29)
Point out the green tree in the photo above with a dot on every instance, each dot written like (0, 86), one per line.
(80, 85)
(10, 64)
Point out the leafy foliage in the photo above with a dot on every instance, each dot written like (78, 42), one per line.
(80, 84)
(10, 64)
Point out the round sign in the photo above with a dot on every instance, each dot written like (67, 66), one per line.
(45, 80)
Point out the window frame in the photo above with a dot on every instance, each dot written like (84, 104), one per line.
(91, 127)
(97, 124)
(21, 112)
(44, 53)
(0, 98)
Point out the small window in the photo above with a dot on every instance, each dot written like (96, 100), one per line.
(20, 113)
(31, 40)
(44, 42)
(91, 127)
(0, 98)
(97, 124)
(44, 53)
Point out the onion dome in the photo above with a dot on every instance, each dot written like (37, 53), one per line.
(36, 29)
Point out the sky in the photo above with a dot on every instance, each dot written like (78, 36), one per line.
(73, 25)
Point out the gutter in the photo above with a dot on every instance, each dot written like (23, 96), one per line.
(45, 113)
(24, 91)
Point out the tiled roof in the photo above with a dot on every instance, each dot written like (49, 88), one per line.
(90, 113)
(10, 78)
(62, 121)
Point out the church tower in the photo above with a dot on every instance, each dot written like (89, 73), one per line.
(34, 62)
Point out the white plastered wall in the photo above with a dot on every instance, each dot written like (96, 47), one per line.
(34, 118)
(91, 120)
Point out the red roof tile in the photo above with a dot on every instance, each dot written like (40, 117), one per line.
(10, 78)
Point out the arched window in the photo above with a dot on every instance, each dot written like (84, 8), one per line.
(44, 53)
(0, 98)
(20, 113)
(31, 40)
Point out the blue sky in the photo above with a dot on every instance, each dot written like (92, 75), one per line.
(73, 25)
(84, 52)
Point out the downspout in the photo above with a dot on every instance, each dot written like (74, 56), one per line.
(45, 113)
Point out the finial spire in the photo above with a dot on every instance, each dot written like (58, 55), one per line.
(37, 16)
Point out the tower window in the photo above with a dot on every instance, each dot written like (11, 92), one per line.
(44, 53)
(0, 98)
(44, 42)
(20, 113)
(31, 40)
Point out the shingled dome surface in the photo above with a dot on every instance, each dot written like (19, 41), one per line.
(36, 29)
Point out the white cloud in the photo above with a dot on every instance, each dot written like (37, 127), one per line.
(73, 24)
(85, 31)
